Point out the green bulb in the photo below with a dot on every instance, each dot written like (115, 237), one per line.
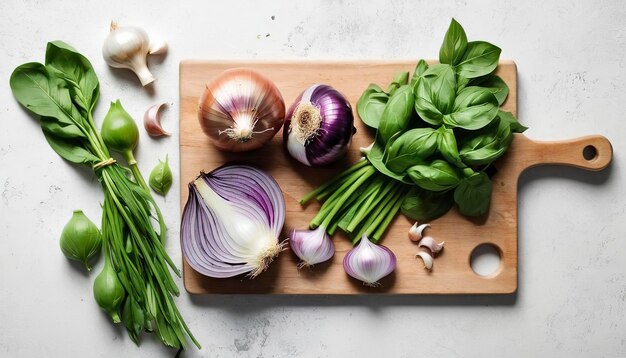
(80, 239)
(119, 130)
(109, 292)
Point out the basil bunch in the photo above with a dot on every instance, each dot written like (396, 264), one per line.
(437, 132)
(443, 128)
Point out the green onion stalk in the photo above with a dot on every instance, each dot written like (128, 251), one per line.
(62, 94)
(359, 201)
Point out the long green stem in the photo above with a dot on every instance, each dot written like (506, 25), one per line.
(361, 163)
(380, 230)
(369, 171)
(373, 215)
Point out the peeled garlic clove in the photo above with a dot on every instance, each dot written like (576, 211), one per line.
(369, 262)
(416, 231)
(311, 246)
(158, 48)
(152, 121)
(428, 260)
(431, 244)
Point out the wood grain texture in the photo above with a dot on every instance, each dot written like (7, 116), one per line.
(452, 273)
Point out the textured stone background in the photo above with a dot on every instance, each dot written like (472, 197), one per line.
(571, 58)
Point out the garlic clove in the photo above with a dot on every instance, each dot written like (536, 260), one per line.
(416, 231)
(426, 258)
(311, 246)
(158, 48)
(152, 121)
(430, 243)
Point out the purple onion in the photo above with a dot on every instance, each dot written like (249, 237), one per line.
(369, 262)
(311, 246)
(232, 221)
(318, 126)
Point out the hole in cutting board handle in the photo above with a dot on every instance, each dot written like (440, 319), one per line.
(590, 153)
(486, 260)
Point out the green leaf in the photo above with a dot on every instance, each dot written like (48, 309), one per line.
(62, 130)
(412, 147)
(454, 44)
(480, 59)
(71, 150)
(161, 178)
(74, 68)
(401, 79)
(420, 68)
(371, 105)
(508, 118)
(424, 205)
(375, 154)
(472, 96)
(439, 84)
(472, 118)
(397, 113)
(473, 194)
(482, 150)
(133, 318)
(436, 176)
(495, 85)
(447, 146)
(428, 112)
(43, 94)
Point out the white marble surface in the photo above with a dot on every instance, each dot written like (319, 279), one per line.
(571, 302)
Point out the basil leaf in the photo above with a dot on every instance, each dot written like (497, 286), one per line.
(440, 86)
(454, 44)
(473, 194)
(371, 105)
(472, 96)
(424, 205)
(66, 63)
(437, 176)
(412, 147)
(480, 59)
(46, 95)
(161, 178)
(420, 68)
(447, 146)
(397, 113)
(62, 130)
(70, 150)
(495, 85)
(428, 112)
(43, 94)
(508, 118)
(375, 155)
(401, 79)
(482, 150)
(472, 118)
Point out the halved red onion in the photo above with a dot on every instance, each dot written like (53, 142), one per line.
(319, 126)
(232, 221)
(369, 262)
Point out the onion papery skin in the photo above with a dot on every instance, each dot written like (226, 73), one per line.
(369, 262)
(246, 240)
(241, 110)
(331, 138)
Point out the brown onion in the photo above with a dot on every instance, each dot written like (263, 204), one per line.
(241, 110)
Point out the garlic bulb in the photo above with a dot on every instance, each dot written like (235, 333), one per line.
(369, 262)
(128, 47)
(241, 110)
(311, 246)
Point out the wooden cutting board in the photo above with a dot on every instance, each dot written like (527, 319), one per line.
(452, 273)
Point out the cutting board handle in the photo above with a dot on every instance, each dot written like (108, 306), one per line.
(592, 152)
